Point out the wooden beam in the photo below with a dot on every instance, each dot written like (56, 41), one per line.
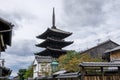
(5, 30)
(2, 41)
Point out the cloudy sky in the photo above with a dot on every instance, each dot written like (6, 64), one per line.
(91, 21)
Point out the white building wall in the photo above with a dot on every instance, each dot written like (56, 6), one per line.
(37, 69)
(44, 67)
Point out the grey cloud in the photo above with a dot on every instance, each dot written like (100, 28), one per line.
(23, 65)
(90, 20)
(84, 12)
(23, 48)
(15, 17)
(9, 17)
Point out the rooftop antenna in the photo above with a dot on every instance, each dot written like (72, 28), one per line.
(53, 19)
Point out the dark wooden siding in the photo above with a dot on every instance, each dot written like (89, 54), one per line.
(100, 49)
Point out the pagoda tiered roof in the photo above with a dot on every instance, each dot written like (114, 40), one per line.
(54, 43)
(51, 52)
(55, 33)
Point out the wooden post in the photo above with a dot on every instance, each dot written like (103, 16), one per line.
(118, 72)
(0, 72)
(102, 72)
(82, 73)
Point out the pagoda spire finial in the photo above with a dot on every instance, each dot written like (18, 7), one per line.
(53, 19)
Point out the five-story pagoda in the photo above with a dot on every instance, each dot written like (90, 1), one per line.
(54, 41)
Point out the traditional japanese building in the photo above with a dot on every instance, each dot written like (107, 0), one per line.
(5, 34)
(5, 39)
(42, 66)
(98, 51)
(54, 41)
(112, 55)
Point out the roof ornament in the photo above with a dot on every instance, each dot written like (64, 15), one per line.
(53, 19)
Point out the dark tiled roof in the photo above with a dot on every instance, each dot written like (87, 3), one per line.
(60, 72)
(69, 75)
(5, 22)
(5, 71)
(49, 41)
(112, 50)
(51, 52)
(43, 58)
(6, 33)
(60, 31)
(100, 45)
(44, 78)
(54, 32)
(99, 64)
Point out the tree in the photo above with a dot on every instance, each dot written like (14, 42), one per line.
(21, 74)
(29, 72)
(68, 61)
(72, 59)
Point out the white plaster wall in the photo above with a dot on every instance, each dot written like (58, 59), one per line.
(35, 69)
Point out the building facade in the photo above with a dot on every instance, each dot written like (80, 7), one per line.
(113, 55)
(98, 51)
(42, 66)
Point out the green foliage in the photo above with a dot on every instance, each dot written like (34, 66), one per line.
(29, 72)
(21, 74)
(64, 59)
(25, 73)
(71, 60)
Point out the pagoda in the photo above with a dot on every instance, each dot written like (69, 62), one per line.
(53, 41)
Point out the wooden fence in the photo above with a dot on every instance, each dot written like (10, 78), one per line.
(100, 71)
(108, 77)
(92, 71)
(88, 77)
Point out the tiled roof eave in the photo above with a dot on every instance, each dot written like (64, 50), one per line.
(99, 64)
(50, 40)
(49, 30)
